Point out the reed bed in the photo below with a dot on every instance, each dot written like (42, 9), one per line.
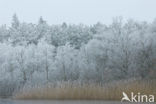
(69, 91)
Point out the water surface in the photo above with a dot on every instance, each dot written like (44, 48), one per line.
(10, 101)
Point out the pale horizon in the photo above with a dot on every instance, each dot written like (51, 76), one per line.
(76, 11)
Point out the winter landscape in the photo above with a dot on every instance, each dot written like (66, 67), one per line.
(71, 63)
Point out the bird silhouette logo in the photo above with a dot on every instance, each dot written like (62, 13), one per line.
(125, 97)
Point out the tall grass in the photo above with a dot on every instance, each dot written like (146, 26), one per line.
(111, 91)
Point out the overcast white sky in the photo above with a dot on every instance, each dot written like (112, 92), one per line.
(76, 11)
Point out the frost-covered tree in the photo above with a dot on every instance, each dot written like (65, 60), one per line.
(66, 67)
(47, 59)
(4, 34)
(20, 58)
(15, 22)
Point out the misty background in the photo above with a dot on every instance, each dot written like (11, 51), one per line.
(76, 11)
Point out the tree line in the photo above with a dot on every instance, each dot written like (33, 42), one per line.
(38, 54)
